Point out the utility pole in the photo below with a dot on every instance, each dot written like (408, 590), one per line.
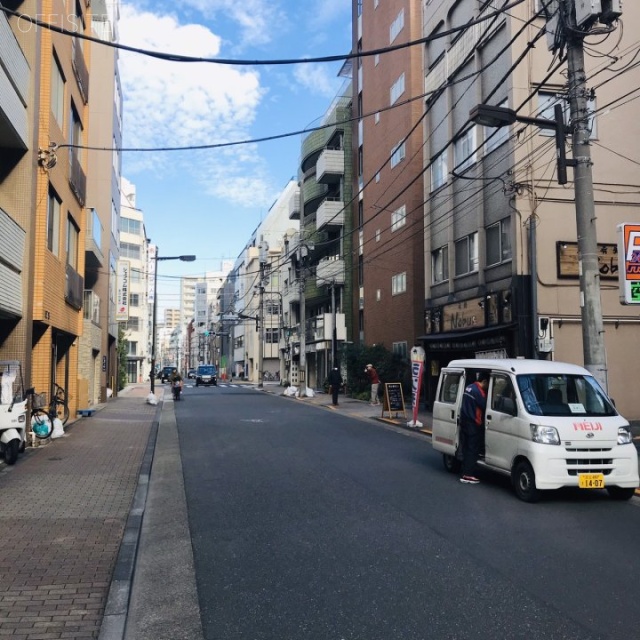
(260, 325)
(590, 300)
(334, 328)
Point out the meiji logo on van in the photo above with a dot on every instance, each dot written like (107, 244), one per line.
(587, 426)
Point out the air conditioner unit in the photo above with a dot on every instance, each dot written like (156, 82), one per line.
(545, 345)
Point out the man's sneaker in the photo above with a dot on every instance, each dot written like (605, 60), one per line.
(469, 480)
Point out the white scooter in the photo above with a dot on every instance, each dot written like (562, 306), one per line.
(13, 411)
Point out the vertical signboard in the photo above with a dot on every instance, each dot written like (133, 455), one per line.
(417, 372)
(629, 260)
(122, 290)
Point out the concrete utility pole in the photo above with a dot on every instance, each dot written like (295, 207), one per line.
(590, 302)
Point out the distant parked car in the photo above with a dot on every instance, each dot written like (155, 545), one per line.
(166, 372)
(206, 375)
(191, 374)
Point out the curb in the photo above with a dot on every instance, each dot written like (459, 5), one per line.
(117, 607)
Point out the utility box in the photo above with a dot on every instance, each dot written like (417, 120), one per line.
(587, 10)
(611, 11)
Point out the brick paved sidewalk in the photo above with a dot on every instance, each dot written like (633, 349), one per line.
(64, 510)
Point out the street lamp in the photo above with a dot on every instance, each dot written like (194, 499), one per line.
(157, 259)
(590, 302)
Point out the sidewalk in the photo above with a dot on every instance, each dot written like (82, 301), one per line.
(66, 507)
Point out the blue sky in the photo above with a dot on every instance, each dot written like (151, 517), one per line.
(209, 202)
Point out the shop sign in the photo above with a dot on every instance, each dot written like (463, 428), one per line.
(122, 291)
(569, 263)
(629, 247)
(464, 315)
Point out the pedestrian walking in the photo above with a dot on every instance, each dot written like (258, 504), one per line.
(335, 382)
(474, 404)
(374, 379)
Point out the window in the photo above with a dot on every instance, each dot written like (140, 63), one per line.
(132, 324)
(376, 59)
(399, 283)
(398, 154)
(127, 225)
(400, 348)
(465, 150)
(378, 177)
(272, 308)
(378, 235)
(397, 89)
(439, 171)
(399, 218)
(135, 276)
(272, 336)
(396, 26)
(440, 265)
(134, 299)
(132, 348)
(495, 138)
(57, 93)
(75, 134)
(72, 243)
(449, 387)
(53, 222)
(499, 242)
(503, 396)
(376, 117)
(467, 254)
(546, 104)
(128, 250)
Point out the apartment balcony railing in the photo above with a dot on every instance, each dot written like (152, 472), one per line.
(80, 70)
(74, 289)
(294, 205)
(93, 250)
(91, 307)
(330, 166)
(77, 178)
(330, 270)
(15, 77)
(330, 214)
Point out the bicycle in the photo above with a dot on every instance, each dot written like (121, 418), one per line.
(42, 416)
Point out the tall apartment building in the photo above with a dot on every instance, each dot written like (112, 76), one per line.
(388, 157)
(171, 318)
(97, 348)
(501, 238)
(61, 193)
(19, 112)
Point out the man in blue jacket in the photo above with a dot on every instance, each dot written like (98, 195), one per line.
(474, 405)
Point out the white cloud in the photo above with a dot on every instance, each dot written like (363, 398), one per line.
(318, 79)
(184, 104)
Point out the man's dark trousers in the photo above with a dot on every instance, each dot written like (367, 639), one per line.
(472, 444)
(335, 390)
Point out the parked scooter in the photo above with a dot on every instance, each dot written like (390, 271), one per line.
(13, 411)
(176, 388)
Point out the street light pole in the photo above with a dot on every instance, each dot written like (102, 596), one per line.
(154, 323)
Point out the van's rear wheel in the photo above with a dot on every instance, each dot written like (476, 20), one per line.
(524, 482)
(621, 493)
(451, 464)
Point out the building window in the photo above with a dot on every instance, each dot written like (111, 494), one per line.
(376, 117)
(439, 171)
(546, 103)
(499, 242)
(376, 59)
(133, 348)
(495, 138)
(132, 324)
(378, 235)
(400, 349)
(72, 243)
(75, 135)
(440, 265)
(398, 154)
(272, 336)
(378, 177)
(53, 222)
(127, 225)
(465, 150)
(397, 89)
(467, 254)
(134, 299)
(396, 26)
(399, 283)
(136, 276)
(399, 218)
(378, 295)
(57, 93)
(272, 308)
(128, 250)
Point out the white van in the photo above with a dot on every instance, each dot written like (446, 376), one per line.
(547, 425)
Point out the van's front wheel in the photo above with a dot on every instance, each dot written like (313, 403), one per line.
(621, 493)
(524, 482)
(451, 463)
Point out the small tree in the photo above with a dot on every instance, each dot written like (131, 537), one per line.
(122, 351)
(390, 367)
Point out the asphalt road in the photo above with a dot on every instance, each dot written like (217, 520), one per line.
(307, 524)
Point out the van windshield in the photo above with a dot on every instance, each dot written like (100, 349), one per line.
(564, 395)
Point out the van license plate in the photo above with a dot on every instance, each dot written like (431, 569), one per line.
(591, 480)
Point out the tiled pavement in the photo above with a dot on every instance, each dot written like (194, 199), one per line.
(63, 510)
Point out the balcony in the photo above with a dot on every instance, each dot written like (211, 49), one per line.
(77, 178)
(330, 270)
(15, 76)
(93, 251)
(330, 214)
(312, 192)
(74, 288)
(330, 166)
(80, 70)
(294, 205)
